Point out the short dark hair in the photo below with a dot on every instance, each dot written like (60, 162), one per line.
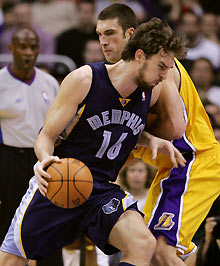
(125, 15)
(17, 31)
(153, 36)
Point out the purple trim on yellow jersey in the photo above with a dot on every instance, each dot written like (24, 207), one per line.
(180, 75)
(183, 144)
(166, 216)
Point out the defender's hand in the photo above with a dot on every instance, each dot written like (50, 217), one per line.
(158, 145)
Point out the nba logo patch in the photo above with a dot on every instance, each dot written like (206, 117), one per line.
(165, 221)
(111, 207)
(143, 96)
(45, 97)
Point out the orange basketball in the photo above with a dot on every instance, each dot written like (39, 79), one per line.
(70, 184)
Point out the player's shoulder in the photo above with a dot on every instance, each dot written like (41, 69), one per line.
(78, 81)
(82, 74)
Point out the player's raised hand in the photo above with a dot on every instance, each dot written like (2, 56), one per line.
(158, 145)
(41, 174)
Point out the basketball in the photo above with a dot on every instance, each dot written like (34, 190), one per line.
(70, 184)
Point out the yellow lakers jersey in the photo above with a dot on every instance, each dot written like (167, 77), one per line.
(198, 135)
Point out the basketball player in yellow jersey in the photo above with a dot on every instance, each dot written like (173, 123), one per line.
(179, 199)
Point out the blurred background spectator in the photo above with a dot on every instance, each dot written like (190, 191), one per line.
(203, 76)
(198, 45)
(210, 27)
(60, 71)
(23, 18)
(8, 14)
(54, 16)
(136, 178)
(168, 10)
(71, 42)
(92, 51)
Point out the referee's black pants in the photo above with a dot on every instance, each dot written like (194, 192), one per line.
(16, 169)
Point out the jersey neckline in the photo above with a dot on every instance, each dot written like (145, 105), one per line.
(28, 82)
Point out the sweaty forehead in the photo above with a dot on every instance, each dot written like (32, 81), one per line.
(108, 24)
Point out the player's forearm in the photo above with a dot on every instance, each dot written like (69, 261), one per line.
(168, 130)
(44, 146)
(144, 139)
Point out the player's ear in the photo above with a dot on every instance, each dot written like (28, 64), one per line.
(129, 32)
(140, 55)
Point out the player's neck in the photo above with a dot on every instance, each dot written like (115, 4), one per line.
(122, 75)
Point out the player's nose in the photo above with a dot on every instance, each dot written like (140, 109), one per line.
(163, 75)
(103, 41)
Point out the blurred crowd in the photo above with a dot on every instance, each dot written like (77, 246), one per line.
(68, 39)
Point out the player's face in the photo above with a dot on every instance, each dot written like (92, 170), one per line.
(25, 50)
(137, 176)
(112, 39)
(154, 70)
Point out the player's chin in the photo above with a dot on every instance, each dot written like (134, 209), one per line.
(110, 59)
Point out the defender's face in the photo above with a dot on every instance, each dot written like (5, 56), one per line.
(112, 39)
(154, 70)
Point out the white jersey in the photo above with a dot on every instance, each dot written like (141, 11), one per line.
(23, 106)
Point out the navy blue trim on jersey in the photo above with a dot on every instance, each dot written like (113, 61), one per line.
(180, 75)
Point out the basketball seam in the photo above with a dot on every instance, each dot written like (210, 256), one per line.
(66, 180)
(59, 180)
(68, 183)
(74, 181)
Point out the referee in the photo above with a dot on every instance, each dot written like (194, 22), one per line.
(26, 94)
